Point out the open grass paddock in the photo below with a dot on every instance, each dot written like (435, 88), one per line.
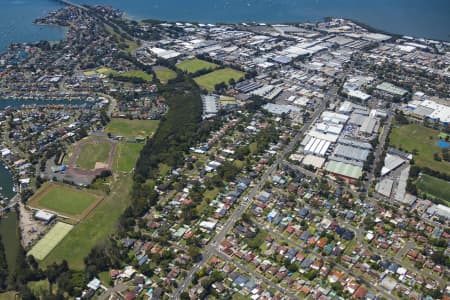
(50, 240)
(131, 128)
(422, 139)
(209, 81)
(195, 65)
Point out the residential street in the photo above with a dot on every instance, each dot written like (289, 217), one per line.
(244, 205)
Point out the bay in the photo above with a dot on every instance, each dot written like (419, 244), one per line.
(419, 18)
(16, 17)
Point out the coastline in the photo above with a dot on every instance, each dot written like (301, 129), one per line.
(363, 24)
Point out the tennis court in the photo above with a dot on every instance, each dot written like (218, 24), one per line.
(50, 240)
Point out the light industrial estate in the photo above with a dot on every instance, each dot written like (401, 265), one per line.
(234, 161)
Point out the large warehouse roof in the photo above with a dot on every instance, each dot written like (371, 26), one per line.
(391, 89)
(344, 169)
(351, 152)
(355, 143)
(391, 162)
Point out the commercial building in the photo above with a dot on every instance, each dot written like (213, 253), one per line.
(430, 110)
(368, 126)
(165, 54)
(317, 147)
(315, 161)
(351, 153)
(356, 94)
(384, 187)
(210, 105)
(355, 143)
(392, 89)
(400, 194)
(347, 172)
(279, 109)
(391, 162)
(439, 210)
(44, 216)
(334, 117)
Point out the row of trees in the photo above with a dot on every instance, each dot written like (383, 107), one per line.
(3, 267)
(177, 131)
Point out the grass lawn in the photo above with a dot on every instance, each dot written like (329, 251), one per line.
(63, 199)
(38, 287)
(253, 147)
(423, 139)
(208, 196)
(211, 194)
(50, 240)
(132, 128)
(208, 81)
(132, 73)
(89, 73)
(195, 65)
(163, 169)
(97, 226)
(126, 156)
(105, 278)
(435, 187)
(443, 135)
(8, 295)
(105, 71)
(92, 153)
(239, 163)
(136, 73)
(10, 237)
(238, 296)
(164, 74)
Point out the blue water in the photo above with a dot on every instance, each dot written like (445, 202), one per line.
(420, 18)
(6, 182)
(16, 17)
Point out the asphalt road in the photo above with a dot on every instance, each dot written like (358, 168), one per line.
(331, 261)
(256, 275)
(244, 205)
(379, 151)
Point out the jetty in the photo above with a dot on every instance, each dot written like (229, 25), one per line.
(13, 202)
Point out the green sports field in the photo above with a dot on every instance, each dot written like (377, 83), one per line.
(137, 74)
(164, 74)
(132, 128)
(209, 81)
(98, 225)
(126, 156)
(50, 240)
(63, 199)
(195, 65)
(434, 187)
(91, 153)
(423, 139)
